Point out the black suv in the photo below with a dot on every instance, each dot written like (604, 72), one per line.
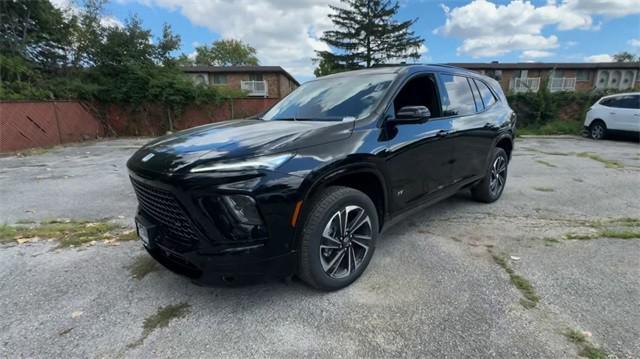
(307, 187)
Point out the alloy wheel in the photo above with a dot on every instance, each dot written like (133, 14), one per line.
(346, 240)
(597, 131)
(498, 175)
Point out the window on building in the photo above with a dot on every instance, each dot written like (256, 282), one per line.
(457, 98)
(255, 77)
(583, 75)
(488, 98)
(200, 79)
(495, 74)
(220, 79)
(557, 74)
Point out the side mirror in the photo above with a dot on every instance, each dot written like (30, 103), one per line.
(412, 114)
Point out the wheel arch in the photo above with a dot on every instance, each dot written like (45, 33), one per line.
(506, 143)
(365, 177)
(596, 120)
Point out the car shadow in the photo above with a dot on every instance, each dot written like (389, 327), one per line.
(273, 287)
(624, 137)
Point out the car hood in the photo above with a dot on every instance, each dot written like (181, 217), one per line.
(234, 139)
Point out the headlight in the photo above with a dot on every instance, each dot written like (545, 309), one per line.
(243, 209)
(255, 163)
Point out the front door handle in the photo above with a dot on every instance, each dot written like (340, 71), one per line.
(612, 113)
(442, 133)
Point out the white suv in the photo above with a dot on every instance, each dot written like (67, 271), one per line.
(620, 112)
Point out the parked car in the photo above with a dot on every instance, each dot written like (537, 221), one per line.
(615, 113)
(307, 187)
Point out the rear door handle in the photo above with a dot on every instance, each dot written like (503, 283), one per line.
(443, 133)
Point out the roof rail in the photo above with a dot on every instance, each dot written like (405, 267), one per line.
(393, 65)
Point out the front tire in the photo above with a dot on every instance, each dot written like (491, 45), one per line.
(338, 238)
(491, 186)
(597, 130)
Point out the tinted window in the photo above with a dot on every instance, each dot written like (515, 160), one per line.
(476, 96)
(487, 96)
(457, 98)
(607, 102)
(628, 101)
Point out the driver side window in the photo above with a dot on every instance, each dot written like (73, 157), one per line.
(419, 91)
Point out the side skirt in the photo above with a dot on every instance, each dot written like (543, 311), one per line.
(442, 195)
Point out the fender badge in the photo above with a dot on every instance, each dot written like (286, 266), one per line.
(148, 157)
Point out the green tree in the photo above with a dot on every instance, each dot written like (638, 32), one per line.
(624, 56)
(365, 35)
(126, 46)
(184, 60)
(89, 33)
(33, 35)
(167, 43)
(226, 53)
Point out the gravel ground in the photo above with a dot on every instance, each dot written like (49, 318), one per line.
(432, 289)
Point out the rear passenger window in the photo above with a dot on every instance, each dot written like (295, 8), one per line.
(627, 101)
(487, 96)
(457, 98)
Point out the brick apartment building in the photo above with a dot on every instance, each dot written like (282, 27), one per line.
(525, 77)
(257, 81)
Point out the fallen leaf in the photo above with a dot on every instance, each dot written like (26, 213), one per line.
(21, 240)
(76, 314)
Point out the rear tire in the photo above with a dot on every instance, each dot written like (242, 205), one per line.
(333, 253)
(598, 130)
(491, 186)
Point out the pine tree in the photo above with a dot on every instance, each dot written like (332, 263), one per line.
(366, 35)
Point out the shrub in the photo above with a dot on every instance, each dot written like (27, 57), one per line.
(550, 113)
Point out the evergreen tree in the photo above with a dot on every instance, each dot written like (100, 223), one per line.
(366, 35)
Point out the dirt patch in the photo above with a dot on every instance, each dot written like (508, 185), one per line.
(160, 319)
(607, 163)
(530, 297)
(585, 347)
(67, 233)
(143, 265)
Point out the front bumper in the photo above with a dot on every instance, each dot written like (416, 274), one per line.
(214, 270)
(200, 241)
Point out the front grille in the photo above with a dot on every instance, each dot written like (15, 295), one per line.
(163, 207)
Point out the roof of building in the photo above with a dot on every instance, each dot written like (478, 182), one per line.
(239, 69)
(548, 65)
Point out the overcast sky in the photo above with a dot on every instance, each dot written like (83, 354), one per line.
(286, 32)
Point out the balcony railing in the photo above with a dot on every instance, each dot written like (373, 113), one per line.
(531, 84)
(562, 84)
(255, 88)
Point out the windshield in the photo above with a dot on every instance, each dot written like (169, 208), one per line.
(332, 99)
